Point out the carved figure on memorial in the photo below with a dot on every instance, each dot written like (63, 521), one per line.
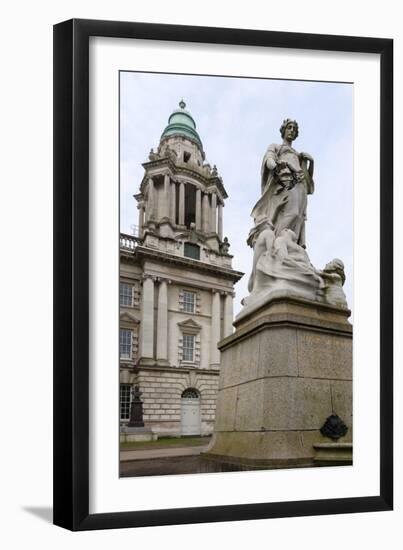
(224, 247)
(261, 239)
(292, 261)
(334, 279)
(280, 264)
(286, 180)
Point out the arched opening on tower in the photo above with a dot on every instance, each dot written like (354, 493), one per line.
(190, 204)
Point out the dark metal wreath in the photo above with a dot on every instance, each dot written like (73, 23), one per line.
(334, 427)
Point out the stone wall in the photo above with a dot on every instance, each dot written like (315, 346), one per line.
(284, 372)
(161, 396)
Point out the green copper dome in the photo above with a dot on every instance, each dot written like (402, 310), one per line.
(181, 123)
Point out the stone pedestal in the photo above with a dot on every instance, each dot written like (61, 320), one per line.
(284, 371)
(129, 434)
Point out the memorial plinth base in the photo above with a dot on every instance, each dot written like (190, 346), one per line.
(128, 434)
(284, 371)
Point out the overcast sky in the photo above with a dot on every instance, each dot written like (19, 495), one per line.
(237, 119)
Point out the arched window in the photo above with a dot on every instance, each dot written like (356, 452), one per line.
(190, 204)
(190, 393)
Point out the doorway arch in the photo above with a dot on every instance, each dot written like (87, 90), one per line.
(190, 412)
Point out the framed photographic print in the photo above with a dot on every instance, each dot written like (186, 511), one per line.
(223, 274)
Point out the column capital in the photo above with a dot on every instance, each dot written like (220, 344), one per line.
(149, 276)
(163, 280)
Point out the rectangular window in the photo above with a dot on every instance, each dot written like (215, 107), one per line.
(125, 343)
(189, 301)
(188, 347)
(125, 294)
(125, 401)
(192, 250)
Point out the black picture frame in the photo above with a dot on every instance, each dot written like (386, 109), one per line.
(71, 274)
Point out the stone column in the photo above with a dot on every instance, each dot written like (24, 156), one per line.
(162, 322)
(181, 203)
(147, 318)
(173, 202)
(215, 329)
(213, 223)
(219, 231)
(228, 314)
(198, 210)
(151, 200)
(206, 209)
(140, 207)
(166, 202)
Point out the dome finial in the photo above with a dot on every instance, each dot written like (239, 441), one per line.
(182, 104)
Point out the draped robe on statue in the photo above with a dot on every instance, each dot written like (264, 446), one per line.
(284, 191)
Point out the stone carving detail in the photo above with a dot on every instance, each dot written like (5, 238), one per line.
(136, 294)
(280, 261)
(167, 152)
(334, 277)
(334, 427)
(153, 156)
(225, 245)
(135, 344)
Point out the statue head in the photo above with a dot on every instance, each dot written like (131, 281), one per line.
(336, 266)
(288, 123)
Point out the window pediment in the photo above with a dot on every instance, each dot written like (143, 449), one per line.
(190, 326)
(128, 318)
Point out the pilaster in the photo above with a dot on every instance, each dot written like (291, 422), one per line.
(205, 214)
(215, 329)
(213, 221)
(162, 322)
(147, 318)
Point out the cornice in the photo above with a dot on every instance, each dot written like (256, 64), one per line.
(150, 253)
(166, 162)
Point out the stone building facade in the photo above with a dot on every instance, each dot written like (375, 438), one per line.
(176, 287)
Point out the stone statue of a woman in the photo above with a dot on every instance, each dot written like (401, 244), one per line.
(281, 265)
(287, 179)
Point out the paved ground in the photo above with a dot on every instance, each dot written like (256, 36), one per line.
(161, 466)
(143, 454)
(162, 461)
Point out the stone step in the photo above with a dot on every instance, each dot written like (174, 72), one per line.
(333, 453)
